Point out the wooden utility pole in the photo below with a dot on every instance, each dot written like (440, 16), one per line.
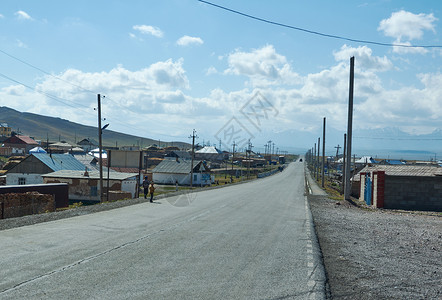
(109, 163)
(314, 161)
(100, 147)
(317, 158)
(347, 184)
(193, 157)
(337, 151)
(323, 153)
(343, 163)
(233, 156)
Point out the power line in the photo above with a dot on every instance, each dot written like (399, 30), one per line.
(316, 32)
(45, 72)
(398, 138)
(58, 99)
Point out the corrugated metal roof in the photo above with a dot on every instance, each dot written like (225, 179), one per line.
(173, 165)
(209, 150)
(404, 170)
(91, 175)
(181, 154)
(59, 161)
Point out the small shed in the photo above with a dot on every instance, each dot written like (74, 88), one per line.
(401, 186)
(85, 186)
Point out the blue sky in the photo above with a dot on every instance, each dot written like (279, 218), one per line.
(167, 67)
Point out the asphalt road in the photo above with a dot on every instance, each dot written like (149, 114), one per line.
(248, 241)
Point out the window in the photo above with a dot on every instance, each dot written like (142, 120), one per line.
(21, 181)
(195, 177)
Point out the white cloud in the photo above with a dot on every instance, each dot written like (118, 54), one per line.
(157, 98)
(407, 50)
(211, 70)
(189, 40)
(404, 24)
(14, 90)
(365, 59)
(263, 66)
(405, 27)
(147, 29)
(22, 15)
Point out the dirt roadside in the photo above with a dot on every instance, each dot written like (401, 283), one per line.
(378, 254)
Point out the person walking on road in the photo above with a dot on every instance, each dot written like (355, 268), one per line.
(145, 186)
(151, 190)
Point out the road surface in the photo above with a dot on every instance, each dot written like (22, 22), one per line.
(247, 241)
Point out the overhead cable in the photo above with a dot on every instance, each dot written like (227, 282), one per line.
(318, 33)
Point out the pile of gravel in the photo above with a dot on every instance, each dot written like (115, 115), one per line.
(378, 254)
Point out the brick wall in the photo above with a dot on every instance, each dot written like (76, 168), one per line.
(413, 193)
(14, 205)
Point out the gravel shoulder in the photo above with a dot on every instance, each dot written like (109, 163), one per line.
(378, 254)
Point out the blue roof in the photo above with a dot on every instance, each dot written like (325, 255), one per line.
(394, 162)
(57, 162)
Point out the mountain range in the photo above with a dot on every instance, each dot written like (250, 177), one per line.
(56, 129)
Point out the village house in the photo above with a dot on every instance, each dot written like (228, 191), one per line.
(5, 130)
(88, 144)
(176, 170)
(210, 153)
(84, 185)
(31, 169)
(20, 144)
(180, 154)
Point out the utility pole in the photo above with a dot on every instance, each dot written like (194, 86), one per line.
(323, 153)
(344, 162)
(100, 147)
(233, 156)
(337, 151)
(249, 151)
(317, 159)
(193, 157)
(314, 162)
(347, 185)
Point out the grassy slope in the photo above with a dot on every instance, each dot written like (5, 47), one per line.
(40, 127)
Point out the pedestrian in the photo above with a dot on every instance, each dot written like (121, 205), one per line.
(145, 186)
(151, 190)
(176, 185)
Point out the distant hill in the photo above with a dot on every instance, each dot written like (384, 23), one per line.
(41, 127)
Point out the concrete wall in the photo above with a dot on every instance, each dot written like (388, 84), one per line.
(413, 193)
(88, 189)
(13, 178)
